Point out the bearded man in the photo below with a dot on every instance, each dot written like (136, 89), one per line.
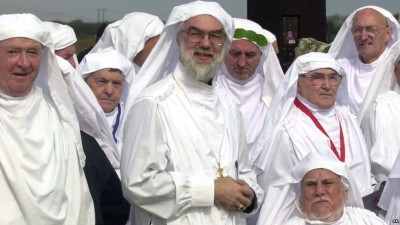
(185, 161)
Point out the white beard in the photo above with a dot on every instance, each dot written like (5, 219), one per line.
(199, 71)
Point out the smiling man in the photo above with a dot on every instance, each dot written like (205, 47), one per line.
(41, 156)
(360, 46)
(326, 194)
(185, 160)
(305, 118)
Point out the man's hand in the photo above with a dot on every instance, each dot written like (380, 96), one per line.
(235, 195)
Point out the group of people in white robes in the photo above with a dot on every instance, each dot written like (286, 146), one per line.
(198, 122)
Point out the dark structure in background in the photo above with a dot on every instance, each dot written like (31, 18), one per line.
(289, 20)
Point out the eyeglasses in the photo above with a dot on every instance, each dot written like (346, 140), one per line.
(318, 78)
(215, 37)
(372, 31)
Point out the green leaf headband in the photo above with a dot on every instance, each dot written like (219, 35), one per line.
(250, 35)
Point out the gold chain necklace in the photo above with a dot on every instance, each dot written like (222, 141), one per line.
(218, 160)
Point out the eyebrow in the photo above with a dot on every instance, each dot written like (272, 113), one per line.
(198, 29)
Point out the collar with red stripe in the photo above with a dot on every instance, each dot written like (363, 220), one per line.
(304, 109)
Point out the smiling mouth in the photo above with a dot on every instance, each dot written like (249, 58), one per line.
(365, 44)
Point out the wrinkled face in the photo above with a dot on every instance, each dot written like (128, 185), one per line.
(142, 55)
(19, 67)
(321, 95)
(200, 51)
(242, 59)
(106, 85)
(323, 195)
(370, 45)
(67, 53)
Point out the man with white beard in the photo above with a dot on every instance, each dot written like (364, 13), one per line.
(185, 160)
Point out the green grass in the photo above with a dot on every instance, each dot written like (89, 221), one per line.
(84, 43)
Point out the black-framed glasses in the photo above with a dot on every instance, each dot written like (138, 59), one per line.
(318, 78)
(372, 31)
(215, 37)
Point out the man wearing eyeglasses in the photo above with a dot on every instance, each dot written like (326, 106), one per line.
(360, 46)
(186, 161)
(304, 118)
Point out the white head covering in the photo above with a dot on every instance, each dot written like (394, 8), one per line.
(269, 35)
(106, 58)
(63, 35)
(165, 55)
(315, 161)
(287, 91)
(92, 116)
(129, 35)
(384, 79)
(269, 69)
(343, 46)
(49, 79)
(41, 196)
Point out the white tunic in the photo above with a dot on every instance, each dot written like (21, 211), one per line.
(359, 76)
(41, 181)
(296, 139)
(351, 216)
(178, 130)
(381, 128)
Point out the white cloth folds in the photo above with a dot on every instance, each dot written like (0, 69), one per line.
(254, 94)
(41, 156)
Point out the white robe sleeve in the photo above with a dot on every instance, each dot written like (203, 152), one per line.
(279, 200)
(380, 126)
(148, 179)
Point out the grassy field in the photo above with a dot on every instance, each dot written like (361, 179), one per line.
(84, 43)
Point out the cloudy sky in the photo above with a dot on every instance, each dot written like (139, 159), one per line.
(91, 10)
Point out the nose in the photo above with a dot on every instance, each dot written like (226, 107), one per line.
(364, 34)
(319, 190)
(109, 89)
(23, 60)
(242, 61)
(205, 41)
(326, 84)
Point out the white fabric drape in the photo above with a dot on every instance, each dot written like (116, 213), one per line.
(254, 94)
(41, 157)
(291, 135)
(172, 129)
(344, 49)
(90, 114)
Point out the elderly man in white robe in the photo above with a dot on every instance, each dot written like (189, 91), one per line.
(360, 46)
(185, 161)
(304, 117)
(106, 73)
(251, 73)
(326, 194)
(41, 156)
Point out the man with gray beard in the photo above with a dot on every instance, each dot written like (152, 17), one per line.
(185, 161)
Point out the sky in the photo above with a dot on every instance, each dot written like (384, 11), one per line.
(91, 10)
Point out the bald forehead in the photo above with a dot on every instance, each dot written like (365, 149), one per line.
(370, 14)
